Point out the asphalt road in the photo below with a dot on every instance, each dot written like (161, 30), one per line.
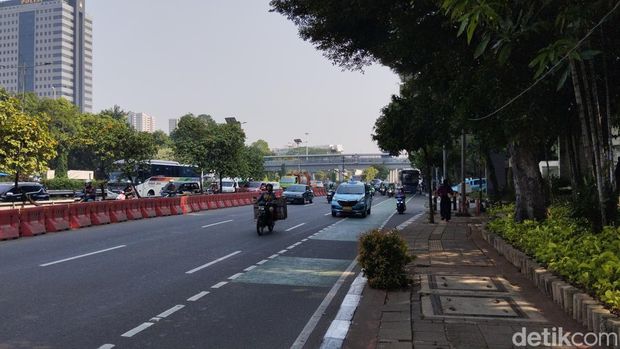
(203, 280)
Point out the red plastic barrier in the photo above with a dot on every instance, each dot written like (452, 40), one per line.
(100, 213)
(147, 208)
(194, 203)
(202, 202)
(132, 209)
(79, 215)
(175, 206)
(187, 208)
(212, 202)
(57, 218)
(32, 221)
(220, 201)
(9, 224)
(162, 207)
(247, 199)
(118, 211)
(228, 200)
(235, 200)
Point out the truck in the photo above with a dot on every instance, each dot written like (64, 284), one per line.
(295, 178)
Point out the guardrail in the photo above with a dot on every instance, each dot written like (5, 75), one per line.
(54, 216)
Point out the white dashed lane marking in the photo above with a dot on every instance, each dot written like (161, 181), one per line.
(235, 276)
(219, 284)
(197, 296)
(250, 268)
(295, 227)
(218, 223)
(211, 263)
(137, 330)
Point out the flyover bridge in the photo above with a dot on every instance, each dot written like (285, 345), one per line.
(326, 162)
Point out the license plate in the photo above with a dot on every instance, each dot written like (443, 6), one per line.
(347, 208)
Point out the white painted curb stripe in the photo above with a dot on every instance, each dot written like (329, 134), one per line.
(218, 223)
(219, 284)
(304, 240)
(107, 346)
(338, 329)
(262, 262)
(211, 263)
(250, 268)
(197, 296)
(297, 226)
(327, 214)
(314, 320)
(273, 256)
(82, 255)
(283, 251)
(170, 311)
(137, 330)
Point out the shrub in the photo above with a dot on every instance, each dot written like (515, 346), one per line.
(569, 247)
(66, 184)
(383, 257)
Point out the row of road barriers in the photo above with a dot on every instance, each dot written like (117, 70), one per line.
(16, 223)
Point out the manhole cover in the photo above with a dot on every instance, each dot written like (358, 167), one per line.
(465, 283)
(476, 306)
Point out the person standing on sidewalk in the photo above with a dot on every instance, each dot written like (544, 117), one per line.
(445, 192)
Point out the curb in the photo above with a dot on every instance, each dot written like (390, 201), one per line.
(575, 303)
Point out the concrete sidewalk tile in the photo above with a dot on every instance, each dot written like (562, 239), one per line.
(396, 316)
(394, 334)
(395, 345)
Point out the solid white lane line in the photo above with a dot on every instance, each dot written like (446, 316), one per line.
(273, 256)
(262, 262)
(283, 251)
(235, 276)
(211, 263)
(219, 284)
(218, 223)
(107, 346)
(137, 330)
(170, 311)
(82, 255)
(297, 226)
(197, 296)
(318, 314)
(250, 268)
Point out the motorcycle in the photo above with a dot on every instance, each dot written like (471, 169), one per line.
(264, 220)
(400, 205)
(330, 196)
(390, 192)
(382, 191)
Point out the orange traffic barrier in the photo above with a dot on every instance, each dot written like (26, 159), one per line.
(220, 201)
(211, 202)
(175, 206)
(227, 200)
(247, 199)
(100, 213)
(194, 204)
(32, 221)
(79, 215)
(9, 224)
(162, 207)
(235, 200)
(132, 209)
(202, 202)
(147, 208)
(57, 218)
(118, 211)
(185, 205)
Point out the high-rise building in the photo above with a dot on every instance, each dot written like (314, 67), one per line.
(172, 125)
(46, 47)
(141, 122)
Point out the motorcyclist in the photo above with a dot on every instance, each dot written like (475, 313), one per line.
(90, 193)
(400, 193)
(268, 198)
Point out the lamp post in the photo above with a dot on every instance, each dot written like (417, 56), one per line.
(307, 140)
(298, 141)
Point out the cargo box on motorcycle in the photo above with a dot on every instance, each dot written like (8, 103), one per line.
(281, 211)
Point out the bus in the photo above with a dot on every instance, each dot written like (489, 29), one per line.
(154, 177)
(409, 180)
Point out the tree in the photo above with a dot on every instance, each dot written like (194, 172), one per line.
(161, 139)
(116, 113)
(190, 140)
(224, 148)
(26, 144)
(135, 151)
(253, 163)
(382, 172)
(369, 174)
(263, 147)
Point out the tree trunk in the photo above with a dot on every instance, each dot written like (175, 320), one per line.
(585, 139)
(492, 177)
(431, 212)
(530, 200)
(595, 133)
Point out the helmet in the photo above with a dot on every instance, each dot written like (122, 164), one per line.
(269, 187)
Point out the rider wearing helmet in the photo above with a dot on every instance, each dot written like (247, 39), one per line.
(267, 199)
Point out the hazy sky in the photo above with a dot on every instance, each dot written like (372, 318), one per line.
(231, 58)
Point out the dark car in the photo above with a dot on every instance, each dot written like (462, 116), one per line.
(180, 188)
(24, 190)
(298, 193)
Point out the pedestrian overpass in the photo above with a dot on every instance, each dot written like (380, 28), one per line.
(327, 162)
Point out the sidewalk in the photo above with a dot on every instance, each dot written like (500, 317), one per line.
(464, 296)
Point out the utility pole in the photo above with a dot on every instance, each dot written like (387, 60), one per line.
(464, 203)
(445, 163)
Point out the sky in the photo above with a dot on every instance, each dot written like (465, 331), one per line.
(231, 58)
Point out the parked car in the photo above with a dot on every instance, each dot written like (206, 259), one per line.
(298, 193)
(34, 191)
(353, 197)
(180, 188)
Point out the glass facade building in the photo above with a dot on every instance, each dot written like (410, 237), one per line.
(46, 47)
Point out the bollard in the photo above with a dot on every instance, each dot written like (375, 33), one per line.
(454, 203)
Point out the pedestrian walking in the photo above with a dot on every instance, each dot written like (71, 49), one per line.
(445, 192)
